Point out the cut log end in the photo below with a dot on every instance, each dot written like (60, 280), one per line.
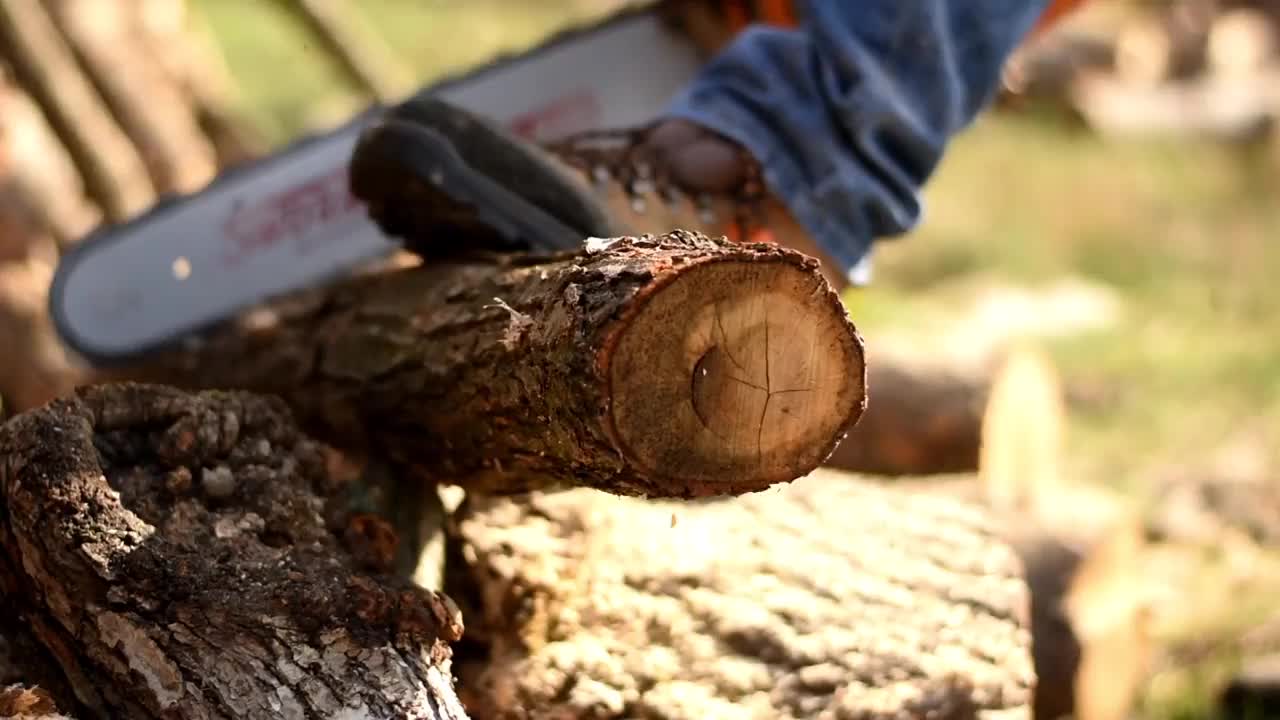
(742, 370)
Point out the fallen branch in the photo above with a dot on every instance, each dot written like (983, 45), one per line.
(171, 552)
(674, 366)
(827, 598)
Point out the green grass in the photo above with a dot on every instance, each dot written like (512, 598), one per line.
(1184, 234)
(1176, 231)
(285, 79)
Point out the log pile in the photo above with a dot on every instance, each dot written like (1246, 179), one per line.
(104, 107)
(1199, 68)
(628, 426)
(165, 547)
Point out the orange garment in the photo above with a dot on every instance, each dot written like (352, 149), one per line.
(740, 13)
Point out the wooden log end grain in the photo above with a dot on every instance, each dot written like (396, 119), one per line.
(177, 555)
(743, 369)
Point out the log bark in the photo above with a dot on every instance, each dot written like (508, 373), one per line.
(145, 102)
(367, 62)
(828, 598)
(172, 552)
(676, 366)
(919, 421)
(40, 60)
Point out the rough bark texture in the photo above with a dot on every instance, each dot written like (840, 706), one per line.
(172, 552)
(826, 598)
(918, 422)
(598, 369)
(17, 701)
(45, 66)
(144, 100)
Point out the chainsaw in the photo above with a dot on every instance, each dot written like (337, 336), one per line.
(289, 221)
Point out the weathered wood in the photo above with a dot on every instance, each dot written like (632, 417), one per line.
(172, 552)
(141, 96)
(671, 366)
(364, 58)
(827, 598)
(40, 60)
(28, 703)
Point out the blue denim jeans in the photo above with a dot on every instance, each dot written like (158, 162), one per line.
(850, 114)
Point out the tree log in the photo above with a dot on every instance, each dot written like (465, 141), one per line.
(676, 366)
(919, 421)
(144, 100)
(40, 60)
(827, 598)
(171, 551)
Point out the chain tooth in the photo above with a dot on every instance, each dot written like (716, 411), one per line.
(638, 205)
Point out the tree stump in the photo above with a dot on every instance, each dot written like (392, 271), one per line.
(188, 556)
(827, 597)
(676, 366)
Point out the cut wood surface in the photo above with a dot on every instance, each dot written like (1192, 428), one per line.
(828, 597)
(45, 66)
(179, 556)
(144, 100)
(676, 365)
